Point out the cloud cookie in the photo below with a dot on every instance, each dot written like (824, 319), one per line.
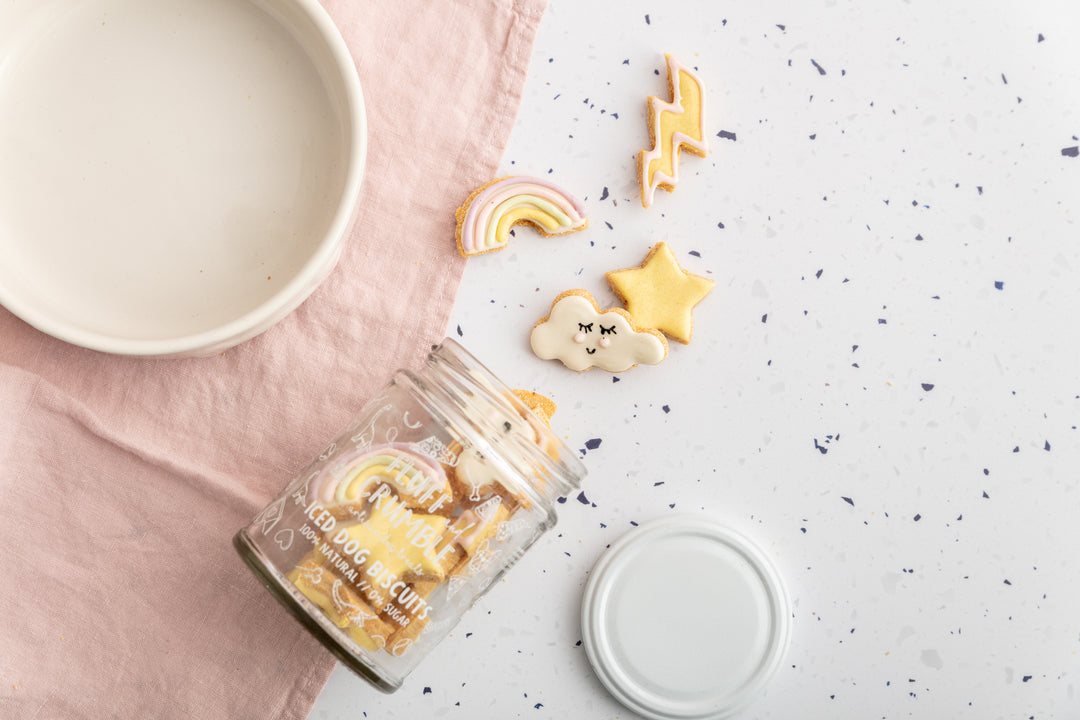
(580, 335)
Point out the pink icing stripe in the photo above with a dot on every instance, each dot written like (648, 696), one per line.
(483, 204)
(480, 227)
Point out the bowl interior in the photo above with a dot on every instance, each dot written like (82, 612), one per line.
(173, 174)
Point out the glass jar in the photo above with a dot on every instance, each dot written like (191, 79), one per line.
(425, 499)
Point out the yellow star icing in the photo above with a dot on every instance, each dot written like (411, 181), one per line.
(660, 294)
(397, 538)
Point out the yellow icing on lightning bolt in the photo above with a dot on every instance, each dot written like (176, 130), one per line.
(672, 125)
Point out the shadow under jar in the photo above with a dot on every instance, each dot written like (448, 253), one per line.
(426, 498)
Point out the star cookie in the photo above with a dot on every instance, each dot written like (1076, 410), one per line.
(659, 294)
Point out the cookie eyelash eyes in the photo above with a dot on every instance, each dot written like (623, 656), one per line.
(586, 328)
(607, 331)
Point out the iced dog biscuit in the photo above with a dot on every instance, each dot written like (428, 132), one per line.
(400, 527)
(414, 478)
(403, 636)
(474, 477)
(485, 218)
(394, 536)
(660, 294)
(675, 125)
(477, 524)
(581, 336)
(339, 601)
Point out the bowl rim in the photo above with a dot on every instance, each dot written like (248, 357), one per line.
(287, 298)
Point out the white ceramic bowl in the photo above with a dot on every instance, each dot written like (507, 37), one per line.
(175, 175)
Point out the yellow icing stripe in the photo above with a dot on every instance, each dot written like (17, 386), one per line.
(687, 122)
(362, 638)
(350, 488)
(355, 482)
(496, 233)
(544, 220)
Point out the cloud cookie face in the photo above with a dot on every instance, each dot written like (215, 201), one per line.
(581, 336)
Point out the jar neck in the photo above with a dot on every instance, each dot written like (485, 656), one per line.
(497, 424)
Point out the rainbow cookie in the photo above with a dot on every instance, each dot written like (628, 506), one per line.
(484, 221)
(581, 335)
(349, 482)
(659, 294)
(672, 125)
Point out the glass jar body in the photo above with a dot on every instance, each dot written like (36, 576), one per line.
(434, 489)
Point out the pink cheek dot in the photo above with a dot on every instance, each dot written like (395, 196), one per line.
(579, 338)
(605, 342)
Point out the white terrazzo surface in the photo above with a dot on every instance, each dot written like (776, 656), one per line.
(883, 388)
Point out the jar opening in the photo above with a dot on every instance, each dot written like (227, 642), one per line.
(504, 430)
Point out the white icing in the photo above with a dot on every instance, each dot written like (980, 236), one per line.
(556, 338)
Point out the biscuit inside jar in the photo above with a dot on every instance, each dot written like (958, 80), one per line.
(394, 529)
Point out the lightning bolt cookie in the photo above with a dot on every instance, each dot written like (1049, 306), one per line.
(672, 126)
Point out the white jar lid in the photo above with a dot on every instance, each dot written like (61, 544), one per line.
(685, 618)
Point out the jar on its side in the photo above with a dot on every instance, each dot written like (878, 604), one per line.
(428, 496)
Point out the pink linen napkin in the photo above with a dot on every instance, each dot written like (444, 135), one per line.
(122, 480)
